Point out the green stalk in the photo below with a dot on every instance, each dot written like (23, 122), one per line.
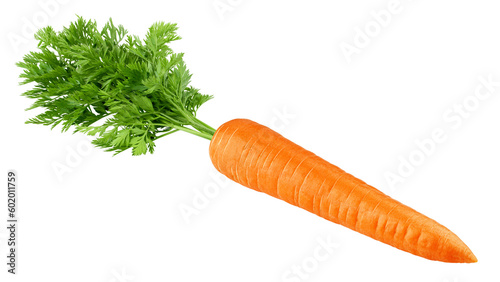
(140, 83)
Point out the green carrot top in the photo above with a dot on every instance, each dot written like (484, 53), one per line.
(126, 92)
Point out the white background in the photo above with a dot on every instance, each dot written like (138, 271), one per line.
(119, 218)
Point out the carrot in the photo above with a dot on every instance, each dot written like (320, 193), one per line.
(129, 93)
(261, 159)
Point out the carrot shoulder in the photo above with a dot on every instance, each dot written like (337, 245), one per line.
(261, 159)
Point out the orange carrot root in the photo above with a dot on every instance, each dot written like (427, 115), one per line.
(261, 159)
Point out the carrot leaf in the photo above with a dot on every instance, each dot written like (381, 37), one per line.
(124, 91)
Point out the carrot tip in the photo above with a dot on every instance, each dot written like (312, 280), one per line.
(459, 252)
(472, 258)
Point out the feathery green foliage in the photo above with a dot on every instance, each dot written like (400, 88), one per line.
(105, 83)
